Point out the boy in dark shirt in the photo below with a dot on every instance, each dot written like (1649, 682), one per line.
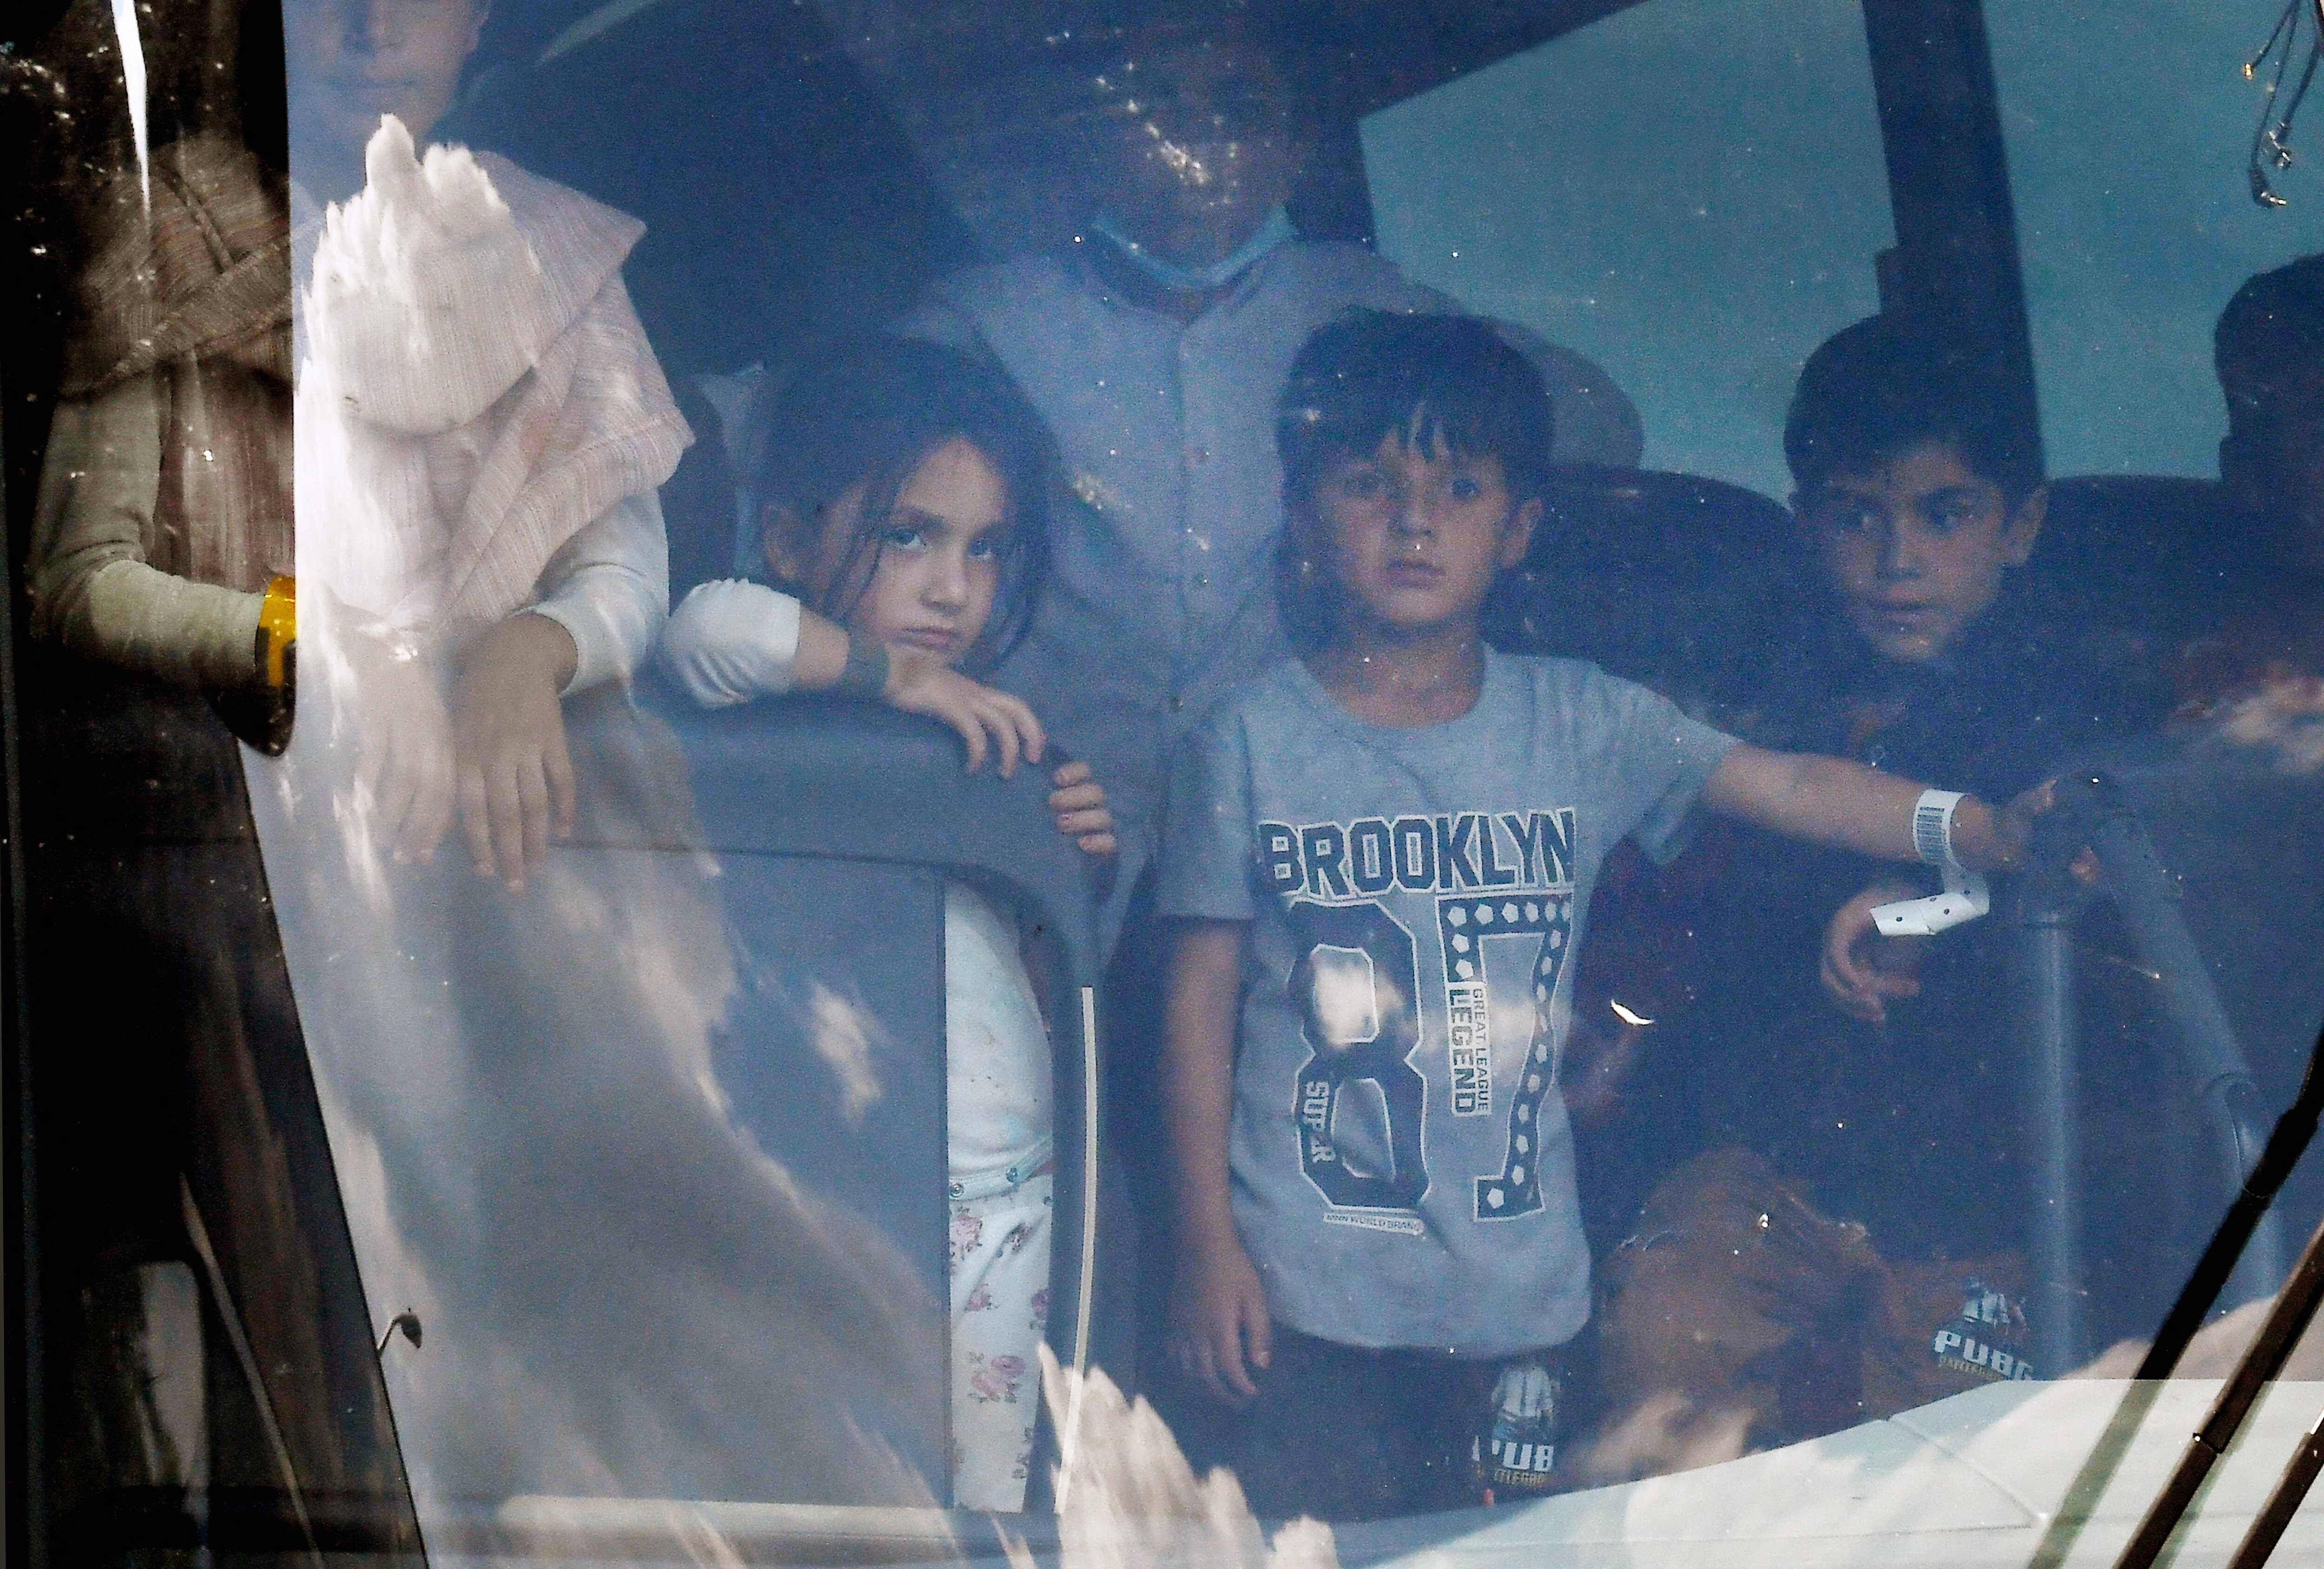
(1928, 656)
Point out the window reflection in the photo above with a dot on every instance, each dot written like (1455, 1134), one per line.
(836, 550)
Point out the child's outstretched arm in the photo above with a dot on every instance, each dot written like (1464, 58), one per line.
(1832, 801)
(1218, 1310)
(731, 641)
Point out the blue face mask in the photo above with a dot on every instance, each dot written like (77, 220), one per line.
(1185, 280)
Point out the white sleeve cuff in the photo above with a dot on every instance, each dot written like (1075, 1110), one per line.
(609, 588)
(731, 641)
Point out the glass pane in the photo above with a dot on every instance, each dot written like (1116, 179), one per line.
(1689, 195)
(1489, 517)
(2135, 239)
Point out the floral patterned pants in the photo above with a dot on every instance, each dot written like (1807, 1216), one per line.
(1000, 1305)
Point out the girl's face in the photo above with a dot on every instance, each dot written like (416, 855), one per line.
(926, 578)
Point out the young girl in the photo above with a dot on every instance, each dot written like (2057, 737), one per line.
(898, 507)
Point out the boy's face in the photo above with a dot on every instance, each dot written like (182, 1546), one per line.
(1412, 537)
(1918, 548)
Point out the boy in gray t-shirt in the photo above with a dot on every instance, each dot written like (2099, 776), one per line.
(1380, 857)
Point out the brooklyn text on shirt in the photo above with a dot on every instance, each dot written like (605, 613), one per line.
(1447, 853)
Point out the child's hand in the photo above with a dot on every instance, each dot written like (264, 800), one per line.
(1986, 840)
(1082, 815)
(1860, 975)
(920, 683)
(507, 734)
(405, 770)
(1218, 1317)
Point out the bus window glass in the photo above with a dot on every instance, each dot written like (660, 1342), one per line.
(1687, 194)
(2135, 236)
(1218, 692)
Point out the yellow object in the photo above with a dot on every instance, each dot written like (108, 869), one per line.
(278, 624)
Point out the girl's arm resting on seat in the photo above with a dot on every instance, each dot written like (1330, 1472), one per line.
(732, 641)
(1218, 1308)
(608, 586)
(1832, 801)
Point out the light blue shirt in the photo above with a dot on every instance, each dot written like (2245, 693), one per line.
(1402, 1169)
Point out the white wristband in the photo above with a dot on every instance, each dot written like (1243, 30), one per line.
(1965, 897)
(1932, 826)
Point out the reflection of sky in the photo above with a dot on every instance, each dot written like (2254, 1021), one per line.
(1687, 192)
(623, 1293)
(1693, 195)
(2127, 133)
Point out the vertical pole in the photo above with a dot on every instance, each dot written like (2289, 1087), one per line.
(1956, 262)
(2042, 983)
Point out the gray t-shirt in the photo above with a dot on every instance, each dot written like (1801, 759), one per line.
(1402, 1169)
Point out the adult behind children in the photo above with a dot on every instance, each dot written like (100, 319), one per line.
(1928, 655)
(899, 505)
(1154, 345)
(1381, 856)
(481, 428)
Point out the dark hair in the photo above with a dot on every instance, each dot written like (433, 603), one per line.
(2269, 344)
(1878, 389)
(1448, 382)
(869, 413)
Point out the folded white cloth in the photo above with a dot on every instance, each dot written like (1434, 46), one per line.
(476, 389)
(730, 641)
(427, 302)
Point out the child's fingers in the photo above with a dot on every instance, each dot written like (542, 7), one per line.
(1849, 977)
(1068, 774)
(971, 731)
(1021, 716)
(473, 825)
(1864, 994)
(504, 821)
(563, 804)
(429, 812)
(1845, 984)
(1097, 820)
(1206, 1374)
(1258, 1332)
(532, 805)
(1007, 738)
(1097, 843)
(1232, 1378)
(1076, 798)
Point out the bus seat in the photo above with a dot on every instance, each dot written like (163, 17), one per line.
(1665, 578)
(836, 826)
(2149, 554)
